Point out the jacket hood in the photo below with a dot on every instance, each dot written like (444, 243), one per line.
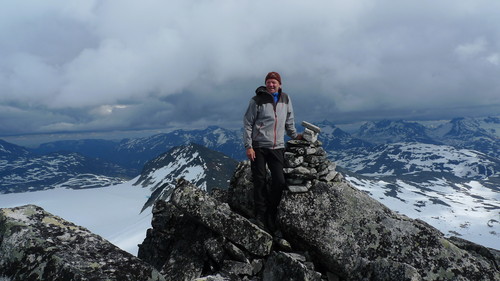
(263, 90)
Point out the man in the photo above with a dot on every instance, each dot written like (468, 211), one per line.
(268, 117)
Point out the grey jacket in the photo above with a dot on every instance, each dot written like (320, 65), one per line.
(265, 123)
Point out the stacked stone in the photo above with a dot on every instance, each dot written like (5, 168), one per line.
(306, 162)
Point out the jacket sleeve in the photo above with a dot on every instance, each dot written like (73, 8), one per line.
(248, 122)
(290, 121)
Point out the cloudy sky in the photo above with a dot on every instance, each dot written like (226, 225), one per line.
(102, 65)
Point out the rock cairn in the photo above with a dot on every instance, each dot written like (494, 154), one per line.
(306, 161)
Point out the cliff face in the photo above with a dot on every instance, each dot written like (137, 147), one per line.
(329, 230)
(36, 245)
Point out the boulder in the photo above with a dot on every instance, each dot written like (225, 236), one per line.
(36, 245)
(284, 266)
(219, 218)
(240, 191)
(174, 247)
(358, 238)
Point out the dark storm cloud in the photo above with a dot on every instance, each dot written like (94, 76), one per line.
(117, 65)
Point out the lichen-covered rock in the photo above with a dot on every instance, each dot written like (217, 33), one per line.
(176, 245)
(240, 192)
(219, 218)
(358, 238)
(36, 245)
(285, 266)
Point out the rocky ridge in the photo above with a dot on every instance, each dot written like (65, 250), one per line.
(329, 230)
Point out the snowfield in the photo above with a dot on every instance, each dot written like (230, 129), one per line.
(471, 214)
(112, 212)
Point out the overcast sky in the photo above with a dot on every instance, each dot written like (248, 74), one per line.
(83, 65)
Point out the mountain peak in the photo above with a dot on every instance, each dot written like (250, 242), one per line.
(11, 150)
(206, 168)
(389, 131)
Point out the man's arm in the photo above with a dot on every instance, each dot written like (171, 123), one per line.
(248, 121)
(290, 121)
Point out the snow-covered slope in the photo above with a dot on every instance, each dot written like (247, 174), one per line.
(29, 172)
(468, 210)
(206, 168)
(112, 212)
(481, 133)
(418, 159)
(455, 190)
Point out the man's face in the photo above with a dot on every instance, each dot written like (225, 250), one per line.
(272, 85)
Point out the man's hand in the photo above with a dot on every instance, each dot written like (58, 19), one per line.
(250, 154)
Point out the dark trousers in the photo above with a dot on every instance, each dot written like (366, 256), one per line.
(267, 201)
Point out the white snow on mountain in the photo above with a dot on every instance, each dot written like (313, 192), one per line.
(164, 174)
(471, 213)
(112, 212)
(412, 158)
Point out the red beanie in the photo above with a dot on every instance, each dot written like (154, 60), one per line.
(273, 75)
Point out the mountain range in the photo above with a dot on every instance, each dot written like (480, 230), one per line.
(445, 172)
(22, 170)
(134, 153)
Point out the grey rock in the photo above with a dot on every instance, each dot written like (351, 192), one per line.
(299, 143)
(299, 151)
(313, 159)
(309, 135)
(235, 253)
(185, 262)
(300, 188)
(214, 248)
(292, 181)
(36, 245)
(293, 161)
(350, 234)
(283, 266)
(330, 176)
(220, 218)
(311, 127)
(240, 192)
(238, 268)
(257, 265)
(172, 230)
(301, 171)
(217, 277)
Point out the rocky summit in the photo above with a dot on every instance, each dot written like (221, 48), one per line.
(328, 230)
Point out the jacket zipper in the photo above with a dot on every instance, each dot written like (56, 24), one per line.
(275, 122)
